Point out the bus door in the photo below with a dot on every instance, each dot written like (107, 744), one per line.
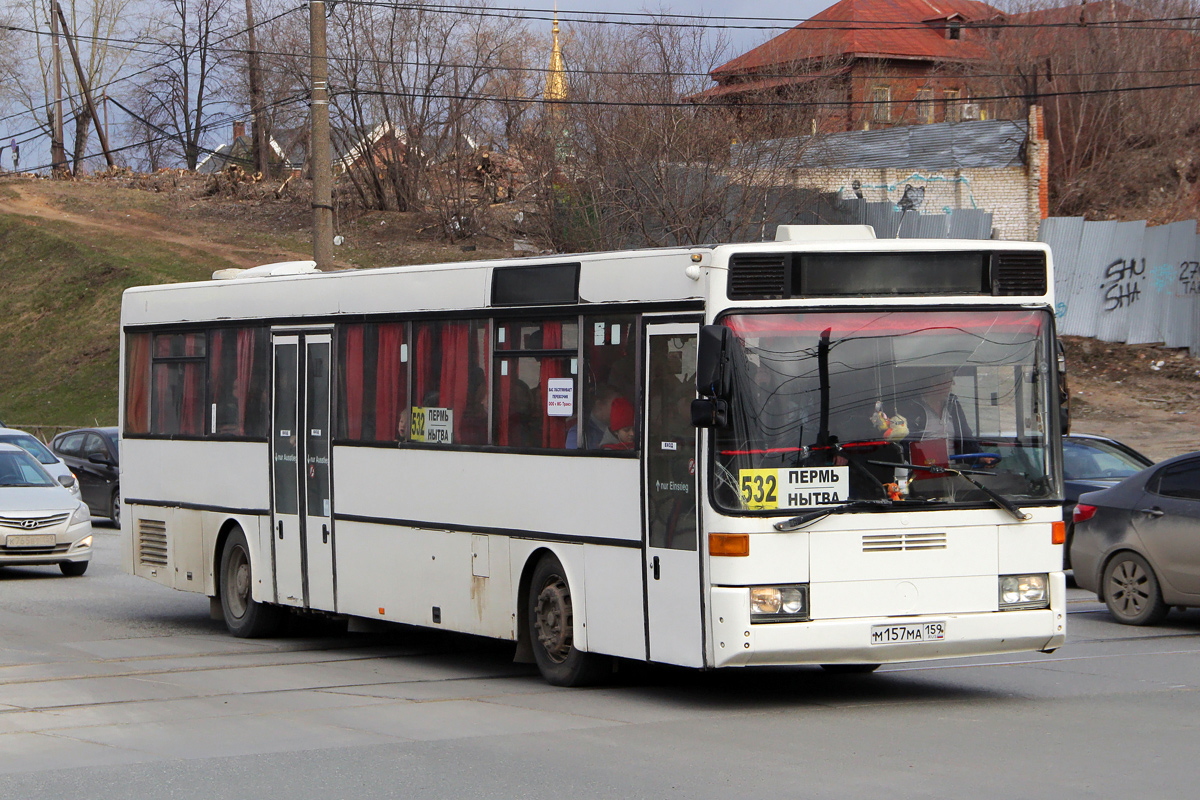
(673, 579)
(302, 533)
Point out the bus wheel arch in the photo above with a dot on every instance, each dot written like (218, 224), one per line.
(548, 610)
(245, 617)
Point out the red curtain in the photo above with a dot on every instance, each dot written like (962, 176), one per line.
(426, 369)
(191, 422)
(245, 371)
(354, 381)
(137, 383)
(456, 366)
(390, 380)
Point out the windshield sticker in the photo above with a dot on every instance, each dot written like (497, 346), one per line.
(796, 487)
(434, 425)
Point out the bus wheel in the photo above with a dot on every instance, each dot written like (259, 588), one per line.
(244, 617)
(849, 669)
(552, 629)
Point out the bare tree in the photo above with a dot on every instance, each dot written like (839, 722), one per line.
(410, 103)
(637, 165)
(1121, 115)
(194, 51)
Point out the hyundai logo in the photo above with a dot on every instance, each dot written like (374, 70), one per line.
(29, 523)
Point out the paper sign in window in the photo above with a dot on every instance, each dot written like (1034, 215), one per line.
(560, 397)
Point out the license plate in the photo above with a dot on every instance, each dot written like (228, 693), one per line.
(908, 632)
(30, 540)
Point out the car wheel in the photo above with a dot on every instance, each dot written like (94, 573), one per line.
(1131, 591)
(114, 506)
(245, 617)
(552, 629)
(73, 569)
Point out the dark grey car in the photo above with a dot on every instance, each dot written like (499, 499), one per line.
(1137, 544)
(93, 455)
(1091, 463)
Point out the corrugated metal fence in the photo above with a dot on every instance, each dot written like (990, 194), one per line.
(1126, 282)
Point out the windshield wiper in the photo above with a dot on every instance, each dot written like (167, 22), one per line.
(808, 517)
(999, 499)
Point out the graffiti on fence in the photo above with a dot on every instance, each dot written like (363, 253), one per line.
(1122, 283)
(1189, 276)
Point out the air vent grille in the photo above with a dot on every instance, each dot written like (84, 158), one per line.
(757, 276)
(152, 542)
(1019, 274)
(896, 542)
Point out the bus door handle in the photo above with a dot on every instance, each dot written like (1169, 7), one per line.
(654, 567)
(280, 529)
(324, 533)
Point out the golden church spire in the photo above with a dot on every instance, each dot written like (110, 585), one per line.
(556, 77)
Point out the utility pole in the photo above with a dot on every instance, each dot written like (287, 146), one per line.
(322, 166)
(258, 127)
(83, 87)
(58, 154)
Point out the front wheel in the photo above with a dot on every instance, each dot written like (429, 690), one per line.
(73, 569)
(245, 617)
(1131, 591)
(552, 629)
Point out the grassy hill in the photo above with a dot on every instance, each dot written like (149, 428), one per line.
(60, 305)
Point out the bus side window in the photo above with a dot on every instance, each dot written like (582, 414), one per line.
(137, 383)
(177, 384)
(450, 382)
(536, 383)
(238, 367)
(609, 374)
(372, 382)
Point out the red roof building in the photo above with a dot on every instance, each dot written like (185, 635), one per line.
(864, 64)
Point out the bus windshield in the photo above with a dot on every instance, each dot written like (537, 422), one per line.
(831, 407)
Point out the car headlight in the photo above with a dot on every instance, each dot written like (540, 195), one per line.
(83, 543)
(1024, 591)
(778, 603)
(81, 515)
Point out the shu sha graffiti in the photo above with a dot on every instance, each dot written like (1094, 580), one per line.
(1122, 283)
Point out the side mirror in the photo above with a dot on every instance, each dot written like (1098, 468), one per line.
(100, 458)
(712, 361)
(710, 413)
(66, 480)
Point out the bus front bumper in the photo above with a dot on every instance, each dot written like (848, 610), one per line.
(877, 640)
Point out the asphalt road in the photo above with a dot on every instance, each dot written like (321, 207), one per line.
(111, 686)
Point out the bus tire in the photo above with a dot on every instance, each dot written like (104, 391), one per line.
(245, 617)
(849, 669)
(551, 629)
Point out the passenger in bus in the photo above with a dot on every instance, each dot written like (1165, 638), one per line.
(620, 433)
(597, 422)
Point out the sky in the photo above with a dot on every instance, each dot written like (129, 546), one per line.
(749, 13)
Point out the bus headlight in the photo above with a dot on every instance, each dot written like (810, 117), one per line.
(1024, 591)
(778, 603)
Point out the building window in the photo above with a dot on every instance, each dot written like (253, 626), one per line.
(953, 106)
(954, 30)
(881, 106)
(924, 106)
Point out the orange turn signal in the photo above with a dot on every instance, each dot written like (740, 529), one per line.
(729, 544)
(1058, 533)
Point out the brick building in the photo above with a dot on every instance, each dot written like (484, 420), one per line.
(868, 64)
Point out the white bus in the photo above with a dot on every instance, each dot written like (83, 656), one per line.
(869, 472)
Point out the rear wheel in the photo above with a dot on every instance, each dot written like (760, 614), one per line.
(114, 508)
(1131, 591)
(245, 617)
(73, 569)
(552, 629)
